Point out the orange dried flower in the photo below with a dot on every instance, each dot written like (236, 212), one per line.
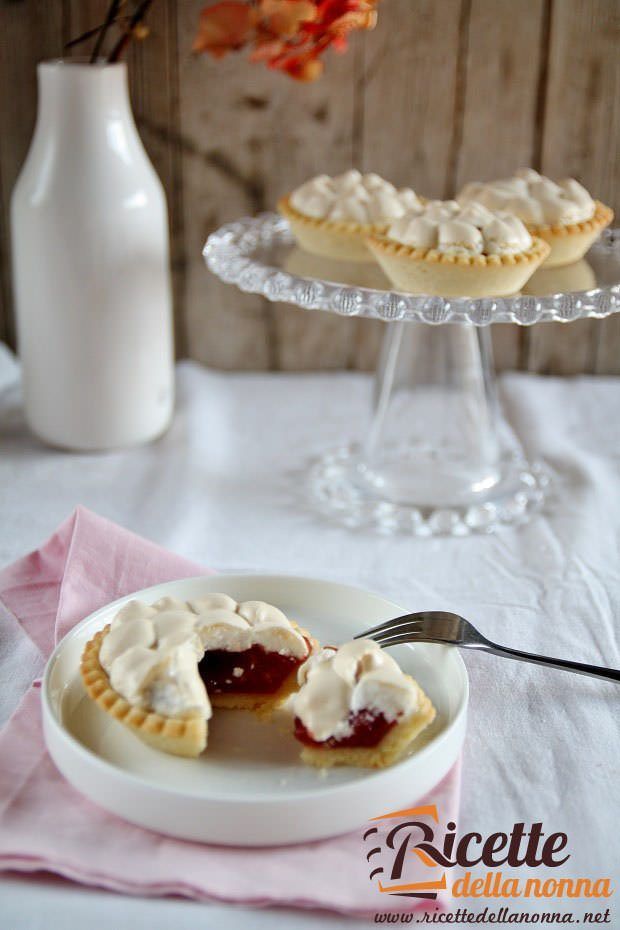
(225, 27)
(284, 18)
(288, 35)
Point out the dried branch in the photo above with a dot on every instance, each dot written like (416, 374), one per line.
(110, 18)
(84, 37)
(134, 21)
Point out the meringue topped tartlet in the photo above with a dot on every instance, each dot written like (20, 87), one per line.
(142, 669)
(331, 216)
(562, 213)
(449, 250)
(160, 668)
(355, 706)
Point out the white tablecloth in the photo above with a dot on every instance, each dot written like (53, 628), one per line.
(224, 487)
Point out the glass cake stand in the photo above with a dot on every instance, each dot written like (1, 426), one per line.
(438, 456)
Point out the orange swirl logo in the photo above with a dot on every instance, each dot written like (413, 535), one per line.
(414, 836)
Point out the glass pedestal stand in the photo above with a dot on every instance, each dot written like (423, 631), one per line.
(439, 457)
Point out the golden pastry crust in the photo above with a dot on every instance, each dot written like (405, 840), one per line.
(176, 735)
(264, 705)
(429, 271)
(339, 239)
(568, 243)
(389, 750)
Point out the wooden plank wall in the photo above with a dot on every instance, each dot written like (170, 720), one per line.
(442, 92)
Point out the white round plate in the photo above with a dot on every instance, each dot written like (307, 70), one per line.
(249, 788)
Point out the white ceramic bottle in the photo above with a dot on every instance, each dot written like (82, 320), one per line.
(91, 267)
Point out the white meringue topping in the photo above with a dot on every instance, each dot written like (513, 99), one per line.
(337, 683)
(472, 229)
(353, 197)
(252, 623)
(151, 652)
(533, 198)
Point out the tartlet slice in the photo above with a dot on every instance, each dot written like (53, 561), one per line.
(454, 251)
(356, 707)
(180, 736)
(392, 747)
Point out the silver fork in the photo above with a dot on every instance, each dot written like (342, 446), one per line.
(436, 626)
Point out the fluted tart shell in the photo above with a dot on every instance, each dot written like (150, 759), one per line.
(181, 736)
(340, 239)
(429, 271)
(568, 243)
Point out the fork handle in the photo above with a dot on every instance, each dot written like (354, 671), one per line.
(581, 668)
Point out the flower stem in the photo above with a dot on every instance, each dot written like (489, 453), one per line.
(135, 20)
(110, 18)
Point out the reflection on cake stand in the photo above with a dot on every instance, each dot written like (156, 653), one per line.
(577, 277)
(438, 456)
(357, 274)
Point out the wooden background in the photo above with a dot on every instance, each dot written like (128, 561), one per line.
(442, 92)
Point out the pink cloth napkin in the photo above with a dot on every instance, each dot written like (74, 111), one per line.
(47, 825)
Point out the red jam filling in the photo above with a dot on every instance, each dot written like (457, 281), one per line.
(254, 671)
(368, 729)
